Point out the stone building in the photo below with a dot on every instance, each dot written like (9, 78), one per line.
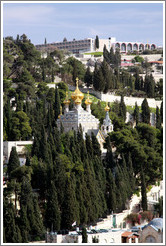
(152, 232)
(72, 119)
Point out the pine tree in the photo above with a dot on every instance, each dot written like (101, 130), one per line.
(13, 161)
(57, 103)
(136, 113)
(143, 191)
(52, 216)
(158, 118)
(84, 235)
(145, 112)
(45, 41)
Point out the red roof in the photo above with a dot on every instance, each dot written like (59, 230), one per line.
(158, 62)
(129, 234)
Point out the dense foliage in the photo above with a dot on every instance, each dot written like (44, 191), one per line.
(64, 179)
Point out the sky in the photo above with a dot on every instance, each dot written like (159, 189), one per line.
(142, 22)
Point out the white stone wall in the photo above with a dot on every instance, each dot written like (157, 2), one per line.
(20, 146)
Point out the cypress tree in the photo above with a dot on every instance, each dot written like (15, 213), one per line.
(112, 57)
(57, 103)
(106, 54)
(158, 118)
(8, 116)
(13, 161)
(88, 77)
(97, 42)
(145, 112)
(89, 145)
(98, 82)
(95, 145)
(161, 112)
(84, 235)
(131, 172)
(82, 209)
(122, 109)
(136, 113)
(52, 209)
(117, 58)
(143, 191)
(111, 191)
(24, 224)
(69, 207)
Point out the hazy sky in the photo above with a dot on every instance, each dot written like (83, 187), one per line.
(125, 21)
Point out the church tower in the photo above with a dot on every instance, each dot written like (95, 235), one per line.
(107, 125)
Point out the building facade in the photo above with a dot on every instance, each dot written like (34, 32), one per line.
(88, 45)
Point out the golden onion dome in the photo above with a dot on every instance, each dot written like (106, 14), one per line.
(88, 101)
(78, 101)
(107, 108)
(77, 93)
(66, 101)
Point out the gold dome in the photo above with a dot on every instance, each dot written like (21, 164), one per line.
(107, 108)
(88, 101)
(78, 101)
(77, 93)
(66, 101)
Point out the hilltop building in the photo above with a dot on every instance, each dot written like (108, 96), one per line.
(72, 119)
(88, 45)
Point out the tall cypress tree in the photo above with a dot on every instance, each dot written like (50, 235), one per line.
(106, 54)
(95, 145)
(111, 191)
(158, 118)
(52, 216)
(88, 77)
(13, 161)
(145, 111)
(136, 113)
(69, 207)
(161, 112)
(57, 103)
(97, 42)
(122, 108)
(143, 191)
(84, 235)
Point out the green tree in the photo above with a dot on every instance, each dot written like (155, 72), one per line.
(122, 108)
(84, 235)
(143, 192)
(161, 112)
(136, 113)
(88, 77)
(52, 210)
(97, 42)
(21, 129)
(57, 103)
(145, 111)
(13, 161)
(158, 118)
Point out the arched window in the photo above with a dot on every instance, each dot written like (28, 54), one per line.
(129, 47)
(123, 47)
(150, 239)
(135, 47)
(107, 128)
(117, 46)
(153, 47)
(141, 47)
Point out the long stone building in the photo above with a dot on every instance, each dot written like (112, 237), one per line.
(88, 45)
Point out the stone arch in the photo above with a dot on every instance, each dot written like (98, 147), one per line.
(147, 46)
(150, 239)
(123, 47)
(129, 47)
(153, 47)
(117, 46)
(135, 46)
(141, 47)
